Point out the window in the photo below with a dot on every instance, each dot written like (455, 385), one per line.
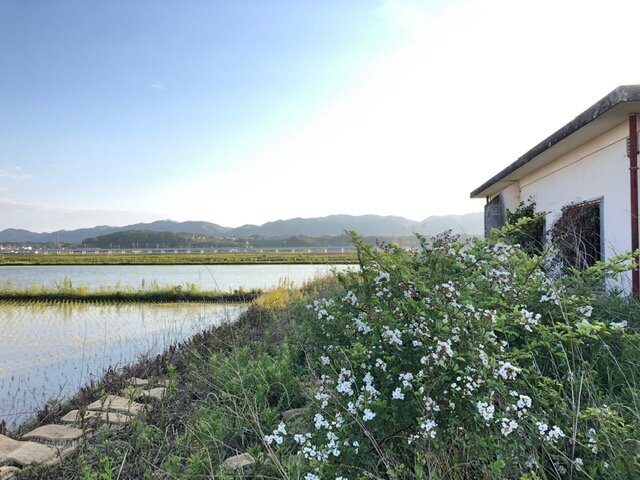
(493, 215)
(577, 235)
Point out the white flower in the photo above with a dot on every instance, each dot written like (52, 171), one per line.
(320, 421)
(486, 410)
(368, 385)
(397, 394)
(350, 297)
(277, 436)
(484, 358)
(552, 434)
(555, 433)
(428, 428)
(382, 365)
(550, 296)
(529, 318)
(311, 476)
(578, 462)
(345, 382)
(507, 371)
(393, 337)
(591, 440)
(449, 289)
(587, 310)
(368, 415)
(508, 426)
(542, 428)
(619, 325)
(323, 397)
(430, 404)
(382, 276)
(406, 379)
(361, 325)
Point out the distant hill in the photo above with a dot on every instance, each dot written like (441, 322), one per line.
(81, 234)
(470, 223)
(143, 239)
(367, 225)
(331, 225)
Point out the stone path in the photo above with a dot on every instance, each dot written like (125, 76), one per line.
(50, 444)
(238, 461)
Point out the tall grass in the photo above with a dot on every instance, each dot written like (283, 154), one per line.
(65, 291)
(489, 379)
(240, 258)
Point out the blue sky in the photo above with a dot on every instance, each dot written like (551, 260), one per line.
(245, 112)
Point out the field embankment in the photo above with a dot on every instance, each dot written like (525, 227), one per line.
(66, 292)
(240, 258)
(459, 361)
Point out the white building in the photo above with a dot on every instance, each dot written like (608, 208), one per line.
(585, 170)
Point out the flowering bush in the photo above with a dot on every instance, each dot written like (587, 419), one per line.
(466, 360)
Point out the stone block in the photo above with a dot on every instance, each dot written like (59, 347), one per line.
(154, 394)
(289, 415)
(114, 403)
(239, 461)
(9, 473)
(56, 434)
(27, 453)
(138, 382)
(90, 417)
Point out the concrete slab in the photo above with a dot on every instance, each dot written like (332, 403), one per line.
(9, 473)
(138, 382)
(113, 418)
(27, 453)
(56, 434)
(291, 414)
(114, 403)
(239, 461)
(154, 394)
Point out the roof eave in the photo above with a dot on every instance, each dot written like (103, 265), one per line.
(621, 95)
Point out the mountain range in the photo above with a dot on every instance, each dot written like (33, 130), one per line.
(470, 223)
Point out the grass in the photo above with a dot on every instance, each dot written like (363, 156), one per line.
(226, 385)
(168, 295)
(230, 385)
(240, 258)
(65, 291)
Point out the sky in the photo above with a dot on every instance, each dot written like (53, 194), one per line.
(253, 111)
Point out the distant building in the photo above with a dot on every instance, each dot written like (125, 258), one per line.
(584, 176)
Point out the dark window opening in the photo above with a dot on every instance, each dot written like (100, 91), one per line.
(577, 235)
(493, 215)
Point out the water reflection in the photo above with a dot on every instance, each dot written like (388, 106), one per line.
(50, 351)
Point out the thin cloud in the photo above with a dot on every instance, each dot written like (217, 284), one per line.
(14, 173)
(158, 86)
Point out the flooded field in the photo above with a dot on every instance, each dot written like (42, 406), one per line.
(48, 352)
(207, 277)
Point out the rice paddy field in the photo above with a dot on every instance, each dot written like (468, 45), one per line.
(62, 327)
(222, 278)
(48, 351)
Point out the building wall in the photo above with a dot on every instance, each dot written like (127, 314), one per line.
(597, 169)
